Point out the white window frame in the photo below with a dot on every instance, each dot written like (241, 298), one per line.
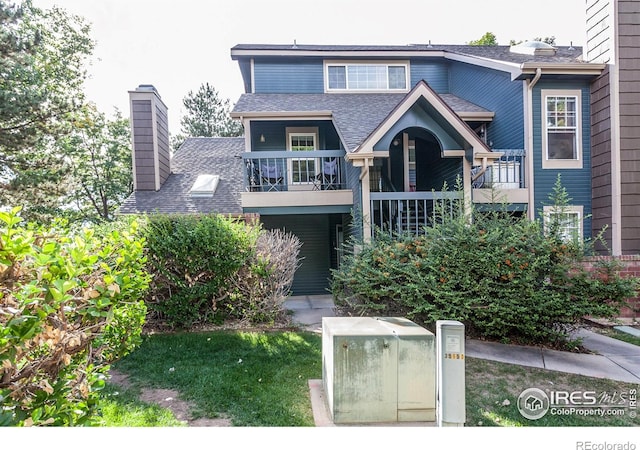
(301, 131)
(386, 64)
(548, 163)
(577, 210)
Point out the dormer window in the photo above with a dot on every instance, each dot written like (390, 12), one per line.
(367, 77)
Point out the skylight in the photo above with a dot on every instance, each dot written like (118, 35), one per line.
(536, 48)
(205, 185)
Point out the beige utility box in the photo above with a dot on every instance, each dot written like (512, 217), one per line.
(378, 369)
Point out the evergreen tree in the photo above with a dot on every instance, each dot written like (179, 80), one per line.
(207, 115)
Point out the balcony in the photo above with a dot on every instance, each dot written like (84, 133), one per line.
(503, 181)
(409, 212)
(319, 170)
(288, 179)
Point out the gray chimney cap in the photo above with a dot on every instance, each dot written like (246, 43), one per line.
(146, 87)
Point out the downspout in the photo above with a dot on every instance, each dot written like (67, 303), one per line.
(534, 81)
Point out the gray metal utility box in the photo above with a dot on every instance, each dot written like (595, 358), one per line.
(378, 369)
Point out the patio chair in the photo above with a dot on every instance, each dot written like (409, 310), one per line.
(328, 177)
(271, 177)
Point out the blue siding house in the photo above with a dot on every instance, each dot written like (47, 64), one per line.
(334, 132)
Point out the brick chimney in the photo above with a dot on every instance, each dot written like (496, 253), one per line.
(150, 139)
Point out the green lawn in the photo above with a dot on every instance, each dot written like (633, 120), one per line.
(620, 335)
(257, 379)
(260, 379)
(121, 407)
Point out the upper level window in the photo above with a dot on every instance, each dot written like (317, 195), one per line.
(561, 130)
(366, 77)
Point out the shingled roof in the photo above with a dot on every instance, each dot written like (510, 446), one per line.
(503, 53)
(355, 115)
(196, 156)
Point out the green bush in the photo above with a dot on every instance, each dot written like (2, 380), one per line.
(70, 303)
(191, 259)
(211, 269)
(500, 275)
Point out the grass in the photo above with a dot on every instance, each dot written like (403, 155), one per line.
(121, 408)
(620, 335)
(493, 389)
(260, 379)
(256, 378)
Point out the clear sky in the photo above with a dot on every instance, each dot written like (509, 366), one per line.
(177, 45)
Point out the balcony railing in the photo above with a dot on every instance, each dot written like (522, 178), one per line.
(320, 170)
(409, 212)
(506, 173)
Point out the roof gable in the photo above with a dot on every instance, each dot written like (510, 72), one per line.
(440, 119)
(355, 116)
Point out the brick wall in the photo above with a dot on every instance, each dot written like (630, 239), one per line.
(631, 267)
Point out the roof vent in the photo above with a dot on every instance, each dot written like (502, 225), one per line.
(535, 48)
(205, 186)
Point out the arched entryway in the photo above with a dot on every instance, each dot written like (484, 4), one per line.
(406, 186)
(416, 163)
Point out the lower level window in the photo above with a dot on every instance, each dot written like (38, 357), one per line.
(566, 222)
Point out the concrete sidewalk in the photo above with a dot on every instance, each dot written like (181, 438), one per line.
(614, 359)
(308, 310)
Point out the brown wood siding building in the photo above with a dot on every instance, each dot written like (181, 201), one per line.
(601, 157)
(613, 37)
(164, 150)
(144, 160)
(629, 85)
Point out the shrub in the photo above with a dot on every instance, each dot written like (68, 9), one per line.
(257, 291)
(69, 305)
(211, 269)
(191, 258)
(500, 275)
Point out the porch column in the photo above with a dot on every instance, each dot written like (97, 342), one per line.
(466, 187)
(364, 161)
(366, 199)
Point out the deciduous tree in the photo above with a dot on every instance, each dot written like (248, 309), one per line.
(43, 60)
(99, 155)
(487, 39)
